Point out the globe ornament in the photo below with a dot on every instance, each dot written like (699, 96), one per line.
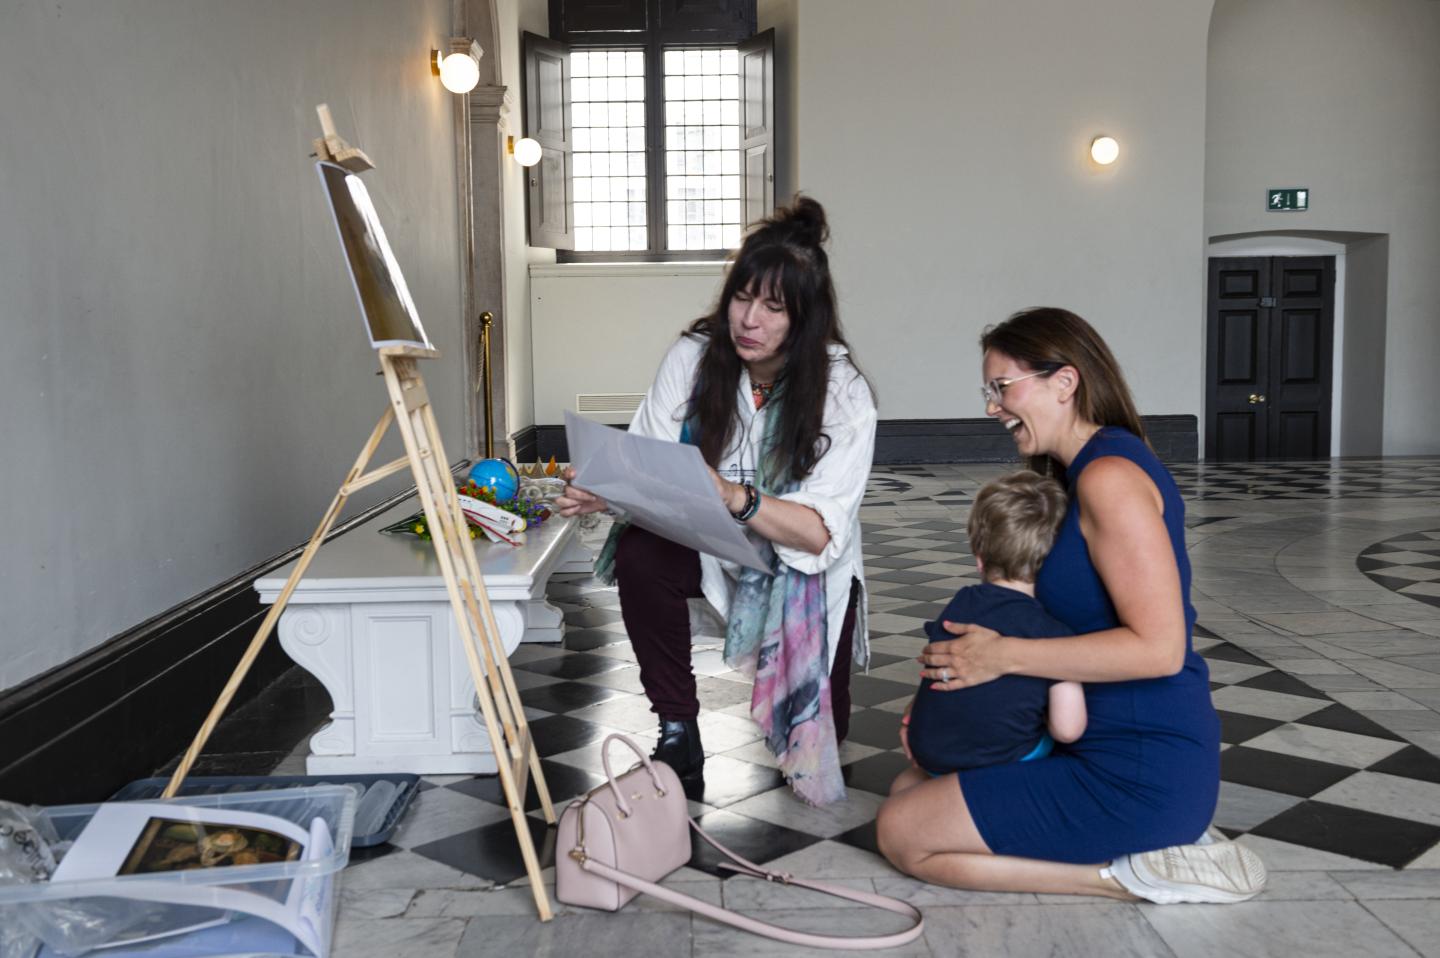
(498, 476)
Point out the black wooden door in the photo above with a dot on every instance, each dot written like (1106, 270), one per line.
(1269, 348)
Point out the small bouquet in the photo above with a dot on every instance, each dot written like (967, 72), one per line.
(497, 521)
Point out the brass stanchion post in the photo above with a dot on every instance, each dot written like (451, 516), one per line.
(487, 319)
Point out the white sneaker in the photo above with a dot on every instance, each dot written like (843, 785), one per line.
(1210, 836)
(1214, 872)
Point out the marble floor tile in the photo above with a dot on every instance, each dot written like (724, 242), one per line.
(516, 898)
(781, 807)
(829, 859)
(926, 896)
(1395, 676)
(1427, 615)
(1389, 645)
(1430, 698)
(1375, 595)
(1349, 681)
(438, 812)
(1377, 701)
(754, 895)
(757, 753)
(1285, 856)
(394, 937)
(1243, 807)
(1429, 740)
(907, 670)
(1303, 886)
(1322, 623)
(1293, 600)
(721, 733)
(1330, 650)
(587, 933)
(404, 869)
(1276, 705)
(535, 652)
(628, 714)
(1429, 661)
(1325, 745)
(621, 680)
(984, 931)
(1329, 929)
(1372, 885)
(374, 902)
(1352, 832)
(1404, 721)
(1310, 667)
(906, 644)
(1417, 922)
(1232, 673)
(1387, 795)
(888, 622)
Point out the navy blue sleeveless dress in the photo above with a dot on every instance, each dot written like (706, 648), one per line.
(1146, 773)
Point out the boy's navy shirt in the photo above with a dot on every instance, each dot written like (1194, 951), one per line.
(991, 724)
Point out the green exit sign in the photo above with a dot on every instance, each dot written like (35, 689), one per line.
(1290, 201)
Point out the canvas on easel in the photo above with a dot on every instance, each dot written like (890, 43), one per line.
(400, 342)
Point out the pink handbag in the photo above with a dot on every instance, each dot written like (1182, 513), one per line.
(628, 834)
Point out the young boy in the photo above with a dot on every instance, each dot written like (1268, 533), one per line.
(1016, 717)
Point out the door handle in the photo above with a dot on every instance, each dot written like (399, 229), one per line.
(1256, 398)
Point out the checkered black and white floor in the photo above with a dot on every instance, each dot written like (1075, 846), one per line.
(1321, 625)
(1408, 564)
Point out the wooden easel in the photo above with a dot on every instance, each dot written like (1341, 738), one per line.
(479, 635)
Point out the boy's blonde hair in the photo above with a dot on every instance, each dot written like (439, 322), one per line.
(1013, 524)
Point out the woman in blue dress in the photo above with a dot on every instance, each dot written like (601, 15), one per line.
(1122, 812)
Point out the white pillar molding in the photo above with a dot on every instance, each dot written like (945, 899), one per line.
(490, 106)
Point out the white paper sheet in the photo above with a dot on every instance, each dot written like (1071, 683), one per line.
(662, 486)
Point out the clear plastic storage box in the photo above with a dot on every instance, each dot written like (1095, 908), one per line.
(204, 910)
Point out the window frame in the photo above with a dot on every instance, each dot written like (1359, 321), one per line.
(651, 26)
(657, 211)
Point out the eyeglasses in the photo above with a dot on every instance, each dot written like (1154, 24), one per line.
(994, 391)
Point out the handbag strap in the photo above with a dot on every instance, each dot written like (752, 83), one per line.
(744, 867)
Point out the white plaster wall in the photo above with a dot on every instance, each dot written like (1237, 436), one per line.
(1367, 279)
(517, 16)
(603, 328)
(948, 139)
(185, 378)
(1340, 97)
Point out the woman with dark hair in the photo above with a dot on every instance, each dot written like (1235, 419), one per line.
(766, 388)
(1123, 811)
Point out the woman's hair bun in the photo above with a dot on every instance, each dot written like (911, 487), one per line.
(804, 218)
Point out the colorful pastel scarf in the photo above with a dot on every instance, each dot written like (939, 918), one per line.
(777, 633)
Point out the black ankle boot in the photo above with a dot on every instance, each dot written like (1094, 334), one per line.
(679, 747)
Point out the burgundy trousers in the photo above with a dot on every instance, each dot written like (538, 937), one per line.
(656, 577)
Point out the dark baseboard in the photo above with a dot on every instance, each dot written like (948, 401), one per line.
(527, 447)
(550, 441)
(80, 731)
(1175, 439)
